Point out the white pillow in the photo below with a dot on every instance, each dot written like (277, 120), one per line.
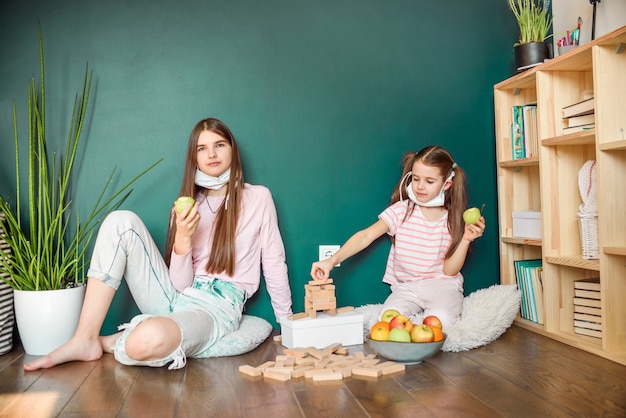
(487, 313)
(252, 332)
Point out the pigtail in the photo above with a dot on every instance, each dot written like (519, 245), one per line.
(456, 203)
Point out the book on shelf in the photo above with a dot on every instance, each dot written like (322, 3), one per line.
(579, 128)
(524, 135)
(581, 120)
(529, 280)
(583, 107)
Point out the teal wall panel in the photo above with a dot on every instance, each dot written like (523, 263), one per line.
(324, 97)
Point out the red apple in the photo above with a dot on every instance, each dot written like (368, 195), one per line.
(433, 321)
(422, 334)
(401, 321)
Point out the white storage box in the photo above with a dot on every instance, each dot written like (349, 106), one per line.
(527, 224)
(345, 328)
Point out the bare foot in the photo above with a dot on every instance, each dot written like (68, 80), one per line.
(108, 341)
(76, 349)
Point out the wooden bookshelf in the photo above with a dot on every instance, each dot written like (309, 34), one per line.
(549, 182)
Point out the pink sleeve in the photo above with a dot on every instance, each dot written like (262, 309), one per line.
(181, 270)
(273, 262)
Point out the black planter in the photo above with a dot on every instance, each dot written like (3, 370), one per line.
(531, 53)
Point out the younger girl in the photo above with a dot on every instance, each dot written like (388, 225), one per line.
(430, 240)
(215, 251)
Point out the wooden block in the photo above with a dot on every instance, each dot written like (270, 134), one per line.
(369, 363)
(328, 287)
(327, 376)
(290, 362)
(312, 372)
(283, 377)
(319, 282)
(393, 368)
(345, 309)
(298, 372)
(279, 363)
(318, 354)
(359, 355)
(297, 316)
(283, 369)
(325, 305)
(307, 360)
(278, 338)
(295, 352)
(331, 312)
(266, 365)
(331, 348)
(249, 370)
(322, 363)
(365, 371)
(343, 351)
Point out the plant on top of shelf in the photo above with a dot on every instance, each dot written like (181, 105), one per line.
(48, 243)
(534, 19)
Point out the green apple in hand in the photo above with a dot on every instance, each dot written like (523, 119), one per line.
(471, 215)
(182, 203)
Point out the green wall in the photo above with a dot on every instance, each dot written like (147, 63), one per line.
(324, 98)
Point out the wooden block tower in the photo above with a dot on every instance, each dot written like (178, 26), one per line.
(320, 296)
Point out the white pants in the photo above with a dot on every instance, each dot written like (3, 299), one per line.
(205, 312)
(440, 297)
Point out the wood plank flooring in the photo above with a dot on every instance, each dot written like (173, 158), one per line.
(522, 374)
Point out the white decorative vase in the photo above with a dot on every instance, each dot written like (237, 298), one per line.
(47, 318)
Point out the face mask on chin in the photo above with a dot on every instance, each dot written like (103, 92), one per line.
(210, 182)
(437, 201)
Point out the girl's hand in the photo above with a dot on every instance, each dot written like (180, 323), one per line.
(321, 270)
(474, 231)
(186, 224)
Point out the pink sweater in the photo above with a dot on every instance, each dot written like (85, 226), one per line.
(258, 243)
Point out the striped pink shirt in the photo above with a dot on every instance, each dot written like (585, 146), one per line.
(420, 245)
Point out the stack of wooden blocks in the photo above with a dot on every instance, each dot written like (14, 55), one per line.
(587, 308)
(320, 296)
(330, 363)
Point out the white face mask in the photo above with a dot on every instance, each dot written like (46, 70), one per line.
(210, 182)
(437, 201)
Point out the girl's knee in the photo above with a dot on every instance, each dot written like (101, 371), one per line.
(152, 339)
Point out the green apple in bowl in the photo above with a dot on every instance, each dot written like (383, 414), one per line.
(389, 314)
(400, 335)
(183, 202)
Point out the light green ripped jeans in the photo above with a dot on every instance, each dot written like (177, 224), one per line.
(205, 312)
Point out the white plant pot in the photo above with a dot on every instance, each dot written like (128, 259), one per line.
(47, 318)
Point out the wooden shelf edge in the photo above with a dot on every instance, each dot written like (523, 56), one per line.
(613, 146)
(522, 162)
(574, 261)
(581, 342)
(614, 250)
(576, 138)
(522, 241)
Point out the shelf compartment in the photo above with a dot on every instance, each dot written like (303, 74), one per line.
(522, 241)
(522, 162)
(576, 138)
(574, 261)
(614, 250)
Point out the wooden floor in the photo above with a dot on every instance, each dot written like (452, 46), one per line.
(522, 374)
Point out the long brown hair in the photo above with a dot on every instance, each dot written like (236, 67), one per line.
(222, 257)
(456, 196)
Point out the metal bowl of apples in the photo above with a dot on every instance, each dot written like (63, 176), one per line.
(406, 352)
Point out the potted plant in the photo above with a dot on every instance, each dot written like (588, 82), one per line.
(535, 20)
(46, 240)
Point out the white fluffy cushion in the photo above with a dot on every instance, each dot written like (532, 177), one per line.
(252, 332)
(487, 313)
